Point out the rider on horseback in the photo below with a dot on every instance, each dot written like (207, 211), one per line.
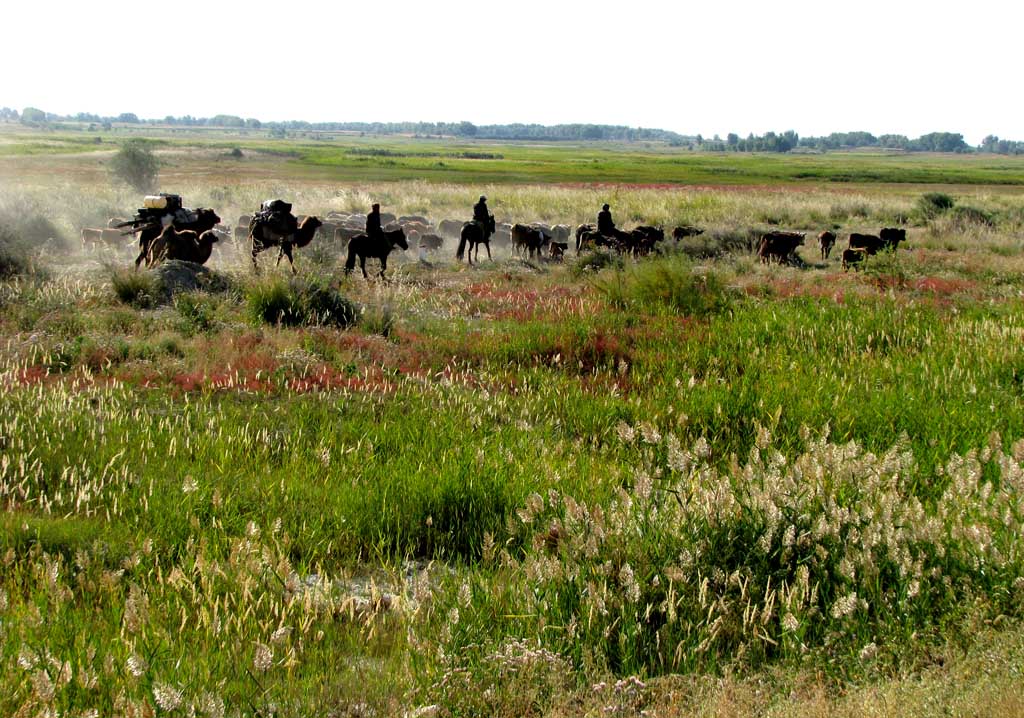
(373, 228)
(483, 217)
(605, 225)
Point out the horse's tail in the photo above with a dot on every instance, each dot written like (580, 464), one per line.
(350, 263)
(462, 246)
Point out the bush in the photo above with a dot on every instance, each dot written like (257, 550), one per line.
(14, 261)
(138, 289)
(932, 204)
(136, 165)
(197, 311)
(669, 284)
(966, 216)
(718, 243)
(300, 302)
(594, 262)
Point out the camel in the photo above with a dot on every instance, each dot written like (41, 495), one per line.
(206, 219)
(186, 245)
(264, 237)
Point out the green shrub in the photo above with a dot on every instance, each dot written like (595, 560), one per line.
(136, 165)
(593, 262)
(932, 204)
(669, 283)
(297, 302)
(197, 312)
(966, 216)
(14, 260)
(138, 289)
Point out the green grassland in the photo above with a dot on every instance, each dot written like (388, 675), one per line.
(346, 158)
(687, 484)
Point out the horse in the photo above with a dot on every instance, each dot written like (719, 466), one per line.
(475, 233)
(263, 236)
(379, 246)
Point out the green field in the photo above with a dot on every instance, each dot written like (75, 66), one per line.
(687, 484)
(346, 158)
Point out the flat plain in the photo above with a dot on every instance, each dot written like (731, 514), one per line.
(686, 483)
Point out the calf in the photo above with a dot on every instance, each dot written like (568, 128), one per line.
(431, 242)
(556, 251)
(686, 231)
(853, 257)
(826, 240)
(91, 237)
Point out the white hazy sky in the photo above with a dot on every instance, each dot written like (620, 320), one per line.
(884, 66)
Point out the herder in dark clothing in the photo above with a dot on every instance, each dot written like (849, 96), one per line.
(484, 218)
(480, 213)
(605, 225)
(373, 228)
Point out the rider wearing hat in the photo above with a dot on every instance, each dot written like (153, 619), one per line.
(480, 213)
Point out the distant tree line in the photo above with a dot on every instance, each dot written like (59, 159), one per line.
(787, 141)
(768, 142)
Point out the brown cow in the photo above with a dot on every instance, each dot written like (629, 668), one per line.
(826, 240)
(779, 246)
(528, 239)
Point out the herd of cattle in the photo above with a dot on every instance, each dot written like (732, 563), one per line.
(781, 246)
(535, 240)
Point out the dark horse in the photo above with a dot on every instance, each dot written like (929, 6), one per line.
(206, 219)
(264, 236)
(475, 233)
(380, 247)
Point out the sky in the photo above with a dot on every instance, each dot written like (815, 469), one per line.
(818, 67)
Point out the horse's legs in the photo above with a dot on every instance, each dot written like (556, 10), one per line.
(362, 265)
(488, 245)
(287, 249)
(383, 266)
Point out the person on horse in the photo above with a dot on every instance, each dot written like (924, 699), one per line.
(605, 225)
(373, 228)
(483, 217)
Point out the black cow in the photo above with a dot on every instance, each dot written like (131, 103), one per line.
(686, 231)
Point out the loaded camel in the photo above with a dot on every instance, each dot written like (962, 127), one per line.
(264, 236)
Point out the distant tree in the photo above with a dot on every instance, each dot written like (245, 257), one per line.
(253, 123)
(136, 165)
(226, 121)
(128, 118)
(466, 129)
(32, 115)
(732, 139)
(940, 142)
